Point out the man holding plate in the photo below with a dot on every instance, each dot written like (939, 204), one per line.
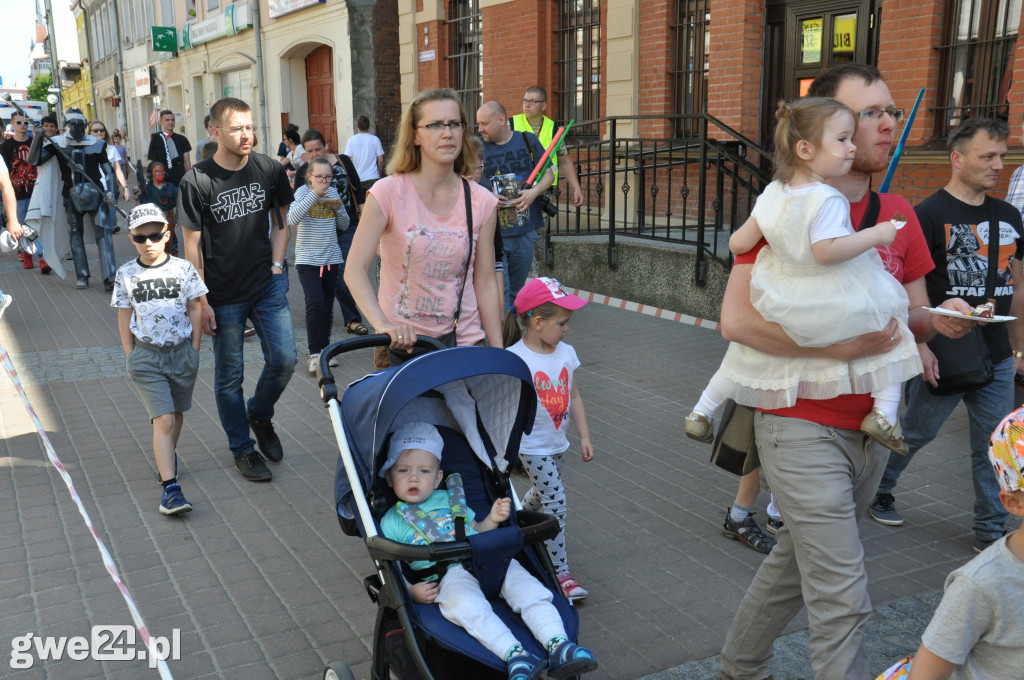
(977, 245)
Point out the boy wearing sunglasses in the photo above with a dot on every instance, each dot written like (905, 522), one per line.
(159, 315)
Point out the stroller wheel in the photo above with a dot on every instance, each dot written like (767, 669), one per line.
(338, 671)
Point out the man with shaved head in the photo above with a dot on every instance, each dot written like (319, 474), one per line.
(509, 158)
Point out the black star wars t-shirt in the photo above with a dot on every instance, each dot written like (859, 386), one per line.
(238, 220)
(957, 234)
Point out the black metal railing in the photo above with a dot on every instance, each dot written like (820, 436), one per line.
(690, 190)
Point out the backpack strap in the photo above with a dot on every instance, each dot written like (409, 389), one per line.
(429, 529)
(267, 167)
(529, 147)
(205, 186)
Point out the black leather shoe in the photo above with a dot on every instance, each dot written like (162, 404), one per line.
(267, 440)
(252, 468)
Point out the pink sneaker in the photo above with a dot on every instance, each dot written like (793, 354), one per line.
(572, 590)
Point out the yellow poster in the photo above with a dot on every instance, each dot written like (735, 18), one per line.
(810, 41)
(844, 33)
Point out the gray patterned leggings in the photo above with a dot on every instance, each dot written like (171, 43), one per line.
(548, 495)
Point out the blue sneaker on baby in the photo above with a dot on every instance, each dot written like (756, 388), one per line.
(569, 659)
(525, 667)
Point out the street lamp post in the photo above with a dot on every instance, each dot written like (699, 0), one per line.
(51, 44)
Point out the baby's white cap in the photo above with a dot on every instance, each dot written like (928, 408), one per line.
(415, 435)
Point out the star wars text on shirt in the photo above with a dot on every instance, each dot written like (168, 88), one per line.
(967, 259)
(156, 289)
(238, 202)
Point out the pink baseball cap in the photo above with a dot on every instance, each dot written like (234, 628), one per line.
(544, 289)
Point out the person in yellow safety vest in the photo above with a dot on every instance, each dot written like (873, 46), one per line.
(532, 119)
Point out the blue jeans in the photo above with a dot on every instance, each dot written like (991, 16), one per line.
(349, 309)
(272, 320)
(22, 207)
(986, 406)
(518, 258)
(318, 286)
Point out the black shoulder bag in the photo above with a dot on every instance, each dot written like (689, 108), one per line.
(964, 363)
(449, 339)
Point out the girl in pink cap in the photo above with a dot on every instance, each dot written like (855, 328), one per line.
(544, 309)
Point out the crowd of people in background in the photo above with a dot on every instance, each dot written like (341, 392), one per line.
(454, 226)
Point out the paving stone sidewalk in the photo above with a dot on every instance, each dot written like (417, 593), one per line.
(260, 582)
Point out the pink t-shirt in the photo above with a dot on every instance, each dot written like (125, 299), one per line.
(423, 256)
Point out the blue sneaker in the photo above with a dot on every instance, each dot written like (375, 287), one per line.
(526, 667)
(174, 501)
(569, 659)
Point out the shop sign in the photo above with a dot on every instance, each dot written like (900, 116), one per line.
(165, 39)
(235, 18)
(143, 82)
(279, 8)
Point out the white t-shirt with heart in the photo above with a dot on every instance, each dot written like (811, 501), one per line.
(552, 380)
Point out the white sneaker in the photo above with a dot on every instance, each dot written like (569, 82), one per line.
(5, 302)
(314, 360)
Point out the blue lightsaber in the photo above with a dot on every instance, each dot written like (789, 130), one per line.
(891, 170)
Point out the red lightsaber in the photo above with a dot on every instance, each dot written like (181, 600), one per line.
(547, 153)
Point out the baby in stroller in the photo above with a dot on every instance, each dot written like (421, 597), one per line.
(425, 514)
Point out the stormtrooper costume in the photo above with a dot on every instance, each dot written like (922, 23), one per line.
(81, 197)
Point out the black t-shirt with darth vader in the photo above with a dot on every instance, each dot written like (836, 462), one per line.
(957, 234)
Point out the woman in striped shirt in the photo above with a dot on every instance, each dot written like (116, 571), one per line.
(317, 217)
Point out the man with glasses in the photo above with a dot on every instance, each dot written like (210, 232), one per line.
(818, 560)
(957, 223)
(226, 203)
(23, 177)
(509, 158)
(532, 119)
(170, 148)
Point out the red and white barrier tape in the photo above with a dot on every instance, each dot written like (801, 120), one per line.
(657, 312)
(108, 561)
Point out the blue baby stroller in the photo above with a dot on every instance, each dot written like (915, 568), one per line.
(481, 399)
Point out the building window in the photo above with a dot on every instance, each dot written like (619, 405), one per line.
(126, 22)
(465, 53)
(690, 76)
(579, 64)
(140, 21)
(212, 5)
(104, 22)
(976, 64)
(237, 84)
(167, 12)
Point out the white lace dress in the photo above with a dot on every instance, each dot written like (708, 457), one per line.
(817, 305)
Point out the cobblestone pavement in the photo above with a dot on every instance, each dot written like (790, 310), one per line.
(260, 582)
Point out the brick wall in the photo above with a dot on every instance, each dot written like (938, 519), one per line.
(514, 55)
(910, 29)
(656, 62)
(388, 106)
(434, 73)
(735, 67)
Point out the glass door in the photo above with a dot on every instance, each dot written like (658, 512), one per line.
(805, 37)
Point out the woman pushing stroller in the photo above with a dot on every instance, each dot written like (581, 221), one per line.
(424, 514)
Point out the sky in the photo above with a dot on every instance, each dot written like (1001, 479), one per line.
(18, 30)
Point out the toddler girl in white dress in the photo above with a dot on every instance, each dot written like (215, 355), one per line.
(821, 281)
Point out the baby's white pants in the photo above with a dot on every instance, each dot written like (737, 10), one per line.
(463, 603)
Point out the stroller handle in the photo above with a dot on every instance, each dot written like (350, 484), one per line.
(535, 527)
(328, 389)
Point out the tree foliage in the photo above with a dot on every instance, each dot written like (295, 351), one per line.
(40, 87)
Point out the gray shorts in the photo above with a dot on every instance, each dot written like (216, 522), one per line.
(164, 376)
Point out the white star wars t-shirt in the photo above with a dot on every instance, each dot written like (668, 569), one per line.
(159, 296)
